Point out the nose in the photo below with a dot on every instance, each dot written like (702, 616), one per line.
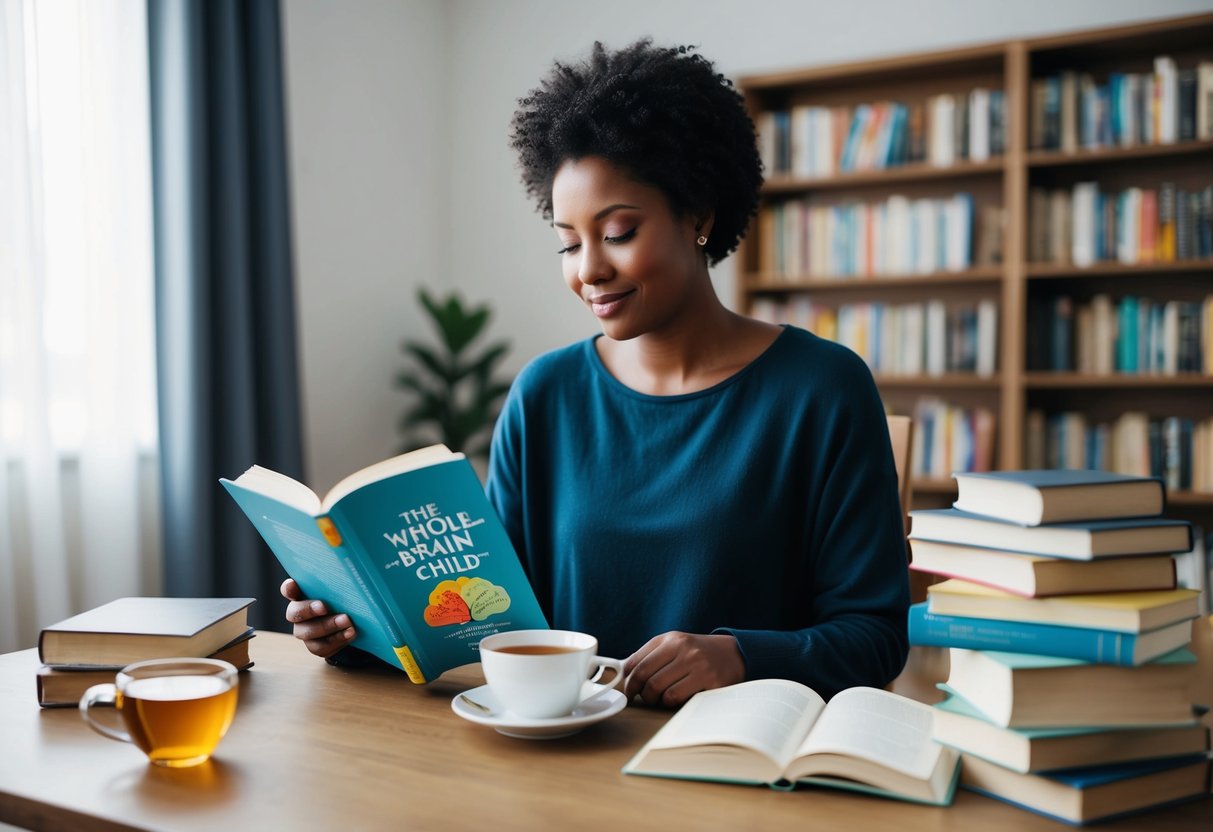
(594, 266)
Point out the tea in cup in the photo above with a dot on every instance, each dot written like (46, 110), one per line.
(175, 710)
(543, 674)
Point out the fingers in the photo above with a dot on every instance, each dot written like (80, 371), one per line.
(673, 667)
(321, 633)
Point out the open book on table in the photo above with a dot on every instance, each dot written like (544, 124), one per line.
(410, 548)
(777, 732)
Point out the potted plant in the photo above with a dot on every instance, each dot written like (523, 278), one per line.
(457, 395)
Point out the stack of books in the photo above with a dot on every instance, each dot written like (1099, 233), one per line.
(90, 648)
(1069, 691)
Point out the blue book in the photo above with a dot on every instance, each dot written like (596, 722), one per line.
(1098, 793)
(410, 548)
(1033, 497)
(1100, 646)
(1080, 541)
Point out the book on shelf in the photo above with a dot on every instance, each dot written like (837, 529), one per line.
(133, 629)
(1082, 541)
(410, 548)
(1038, 576)
(961, 726)
(1096, 793)
(780, 733)
(1124, 612)
(1017, 690)
(1035, 497)
(931, 629)
(62, 686)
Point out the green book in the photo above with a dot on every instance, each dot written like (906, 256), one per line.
(410, 548)
(1018, 690)
(780, 733)
(962, 726)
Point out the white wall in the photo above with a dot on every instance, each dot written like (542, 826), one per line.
(440, 203)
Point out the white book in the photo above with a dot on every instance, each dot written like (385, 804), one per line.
(1204, 100)
(1082, 223)
(1170, 338)
(926, 226)
(979, 124)
(912, 338)
(942, 132)
(1167, 77)
(987, 337)
(897, 250)
(937, 333)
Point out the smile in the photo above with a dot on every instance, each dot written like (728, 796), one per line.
(604, 306)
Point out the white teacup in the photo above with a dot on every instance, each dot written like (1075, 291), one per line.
(544, 674)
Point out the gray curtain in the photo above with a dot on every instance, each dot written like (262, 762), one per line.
(225, 311)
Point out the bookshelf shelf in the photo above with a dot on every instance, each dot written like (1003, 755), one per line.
(1002, 194)
(885, 176)
(1054, 158)
(1036, 271)
(968, 381)
(774, 283)
(1121, 381)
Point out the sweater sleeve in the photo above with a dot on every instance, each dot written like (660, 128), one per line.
(857, 564)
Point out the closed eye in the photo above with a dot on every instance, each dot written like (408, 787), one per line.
(622, 238)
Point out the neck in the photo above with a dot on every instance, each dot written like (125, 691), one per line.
(693, 353)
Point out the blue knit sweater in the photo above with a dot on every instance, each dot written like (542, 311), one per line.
(764, 507)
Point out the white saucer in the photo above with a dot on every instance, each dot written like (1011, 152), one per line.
(529, 728)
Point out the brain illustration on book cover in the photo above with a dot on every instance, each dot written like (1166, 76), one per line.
(463, 600)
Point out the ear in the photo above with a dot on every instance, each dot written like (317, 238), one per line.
(703, 224)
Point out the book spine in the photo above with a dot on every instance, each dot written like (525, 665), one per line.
(375, 596)
(930, 629)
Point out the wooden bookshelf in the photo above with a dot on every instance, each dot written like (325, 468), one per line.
(1003, 182)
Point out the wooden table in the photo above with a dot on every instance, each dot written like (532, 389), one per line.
(316, 748)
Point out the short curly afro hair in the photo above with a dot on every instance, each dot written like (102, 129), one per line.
(664, 115)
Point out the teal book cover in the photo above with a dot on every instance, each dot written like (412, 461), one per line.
(1100, 646)
(411, 549)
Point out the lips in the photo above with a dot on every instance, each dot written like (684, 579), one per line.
(608, 304)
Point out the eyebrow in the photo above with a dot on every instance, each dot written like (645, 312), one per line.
(601, 214)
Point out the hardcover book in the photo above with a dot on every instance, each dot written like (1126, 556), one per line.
(1036, 576)
(1125, 612)
(133, 629)
(410, 548)
(1017, 690)
(1031, 498)
(1085, 795)
(1080, 541)
(1099, 646)
(961, 726)
(779, 733)
(62, 686)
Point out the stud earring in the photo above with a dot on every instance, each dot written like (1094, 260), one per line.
(703, 241)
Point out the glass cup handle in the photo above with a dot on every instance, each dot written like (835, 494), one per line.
(598, 690)
(101, 695)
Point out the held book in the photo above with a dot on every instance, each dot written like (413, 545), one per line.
(1100, 646)
(1080, 541)
(133, 629)
(1031, 498)
(61, 687)
(1019, 690)
(1085, 795)
(1036, 576)
(779, 733)
(410, 548)
(961, 726)
(1125, 612)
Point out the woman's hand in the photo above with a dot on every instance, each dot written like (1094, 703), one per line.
(673, 667)
(323, 634)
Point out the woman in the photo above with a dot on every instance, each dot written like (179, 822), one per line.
(710, 495)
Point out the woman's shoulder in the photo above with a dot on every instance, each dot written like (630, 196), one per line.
(555, 367)
(800, 349)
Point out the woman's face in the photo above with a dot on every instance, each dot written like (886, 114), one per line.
(624, 252)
